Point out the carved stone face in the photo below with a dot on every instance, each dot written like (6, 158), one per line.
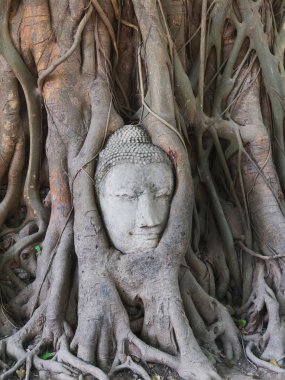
(135, 202)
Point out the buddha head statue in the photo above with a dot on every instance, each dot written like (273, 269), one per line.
(134, 184)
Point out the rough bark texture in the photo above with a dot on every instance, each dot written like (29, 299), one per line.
(207, 81)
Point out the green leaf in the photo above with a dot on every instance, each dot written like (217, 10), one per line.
(155, 377)
(38, 249)
(242, 322)
(46, 355)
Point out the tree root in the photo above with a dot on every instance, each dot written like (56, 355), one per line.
(128, 363)
(65, 356)
(63, 363)
(189, 365)
(14, 251)
(76, 42)
(13, 192)
(25, 357)
(103, 323)
(263, 306)
(209, 327)
(259, 362)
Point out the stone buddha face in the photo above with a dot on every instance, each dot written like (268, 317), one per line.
(134, 183)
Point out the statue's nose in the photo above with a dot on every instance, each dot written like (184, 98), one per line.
(147, 215)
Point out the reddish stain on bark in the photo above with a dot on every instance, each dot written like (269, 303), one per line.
(173, 156)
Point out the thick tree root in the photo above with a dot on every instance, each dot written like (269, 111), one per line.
(81, 114)
(190, 365)
(64, 355)
(65, 363)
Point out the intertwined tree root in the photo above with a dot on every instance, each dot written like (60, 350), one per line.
(187, 73)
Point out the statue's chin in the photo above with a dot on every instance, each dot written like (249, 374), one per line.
(138, 245)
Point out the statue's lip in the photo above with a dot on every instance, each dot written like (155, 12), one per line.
(152, 235)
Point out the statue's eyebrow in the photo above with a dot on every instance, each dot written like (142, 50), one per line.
(164, 189)
(122, 191)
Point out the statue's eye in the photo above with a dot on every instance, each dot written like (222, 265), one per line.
(162, 194)
(127, 196)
